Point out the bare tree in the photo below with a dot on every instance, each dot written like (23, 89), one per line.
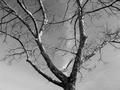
(26, 22)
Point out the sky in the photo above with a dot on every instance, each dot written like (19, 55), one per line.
(104, 77)
(21, 76)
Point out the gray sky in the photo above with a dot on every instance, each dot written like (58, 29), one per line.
(20, 75)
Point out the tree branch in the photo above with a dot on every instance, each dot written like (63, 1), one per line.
(7, 8)
(50, 65)
(45, 20)
(44, 75)
(82, 39)
(31, 16)
(88, 12)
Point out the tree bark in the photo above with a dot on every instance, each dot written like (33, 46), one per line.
(69, 86)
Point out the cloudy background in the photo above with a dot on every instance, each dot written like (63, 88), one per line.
(21, 76)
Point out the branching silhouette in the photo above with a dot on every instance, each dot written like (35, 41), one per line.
(27, 29)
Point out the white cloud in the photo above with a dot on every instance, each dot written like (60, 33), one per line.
(14, 78)
(105, 77)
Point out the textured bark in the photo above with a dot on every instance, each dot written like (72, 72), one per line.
(69, 86)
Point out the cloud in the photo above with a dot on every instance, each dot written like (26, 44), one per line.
(104, 77)
(18, 78)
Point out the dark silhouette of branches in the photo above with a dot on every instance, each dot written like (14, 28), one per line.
(28, 29)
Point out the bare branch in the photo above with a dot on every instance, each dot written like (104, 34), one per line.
(18, 41)
(8, 8)
(44, 75)
(31, 16)
(101, 8)
(51, 66)
(85, 3)
(45, 20)
(78, 61)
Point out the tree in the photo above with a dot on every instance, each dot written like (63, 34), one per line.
(26, 23)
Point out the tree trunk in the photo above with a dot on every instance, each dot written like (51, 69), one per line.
(69, 86)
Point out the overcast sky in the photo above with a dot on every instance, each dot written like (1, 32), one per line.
(21, 76)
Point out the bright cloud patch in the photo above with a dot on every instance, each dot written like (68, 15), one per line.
(14, 78)
(105, 77)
